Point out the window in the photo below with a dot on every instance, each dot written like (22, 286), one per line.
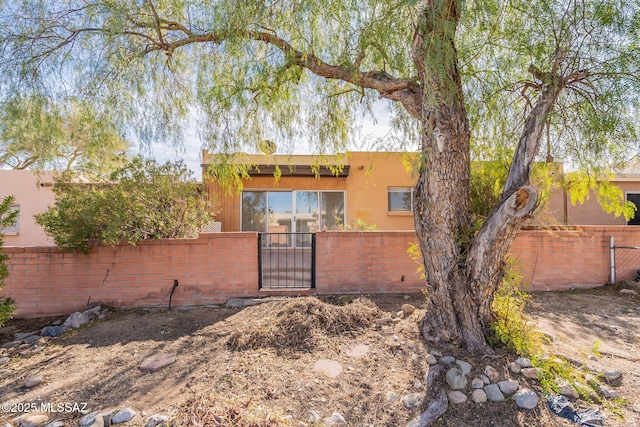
(400, 199)
(635, 198)
(292, 211)
(15, 228)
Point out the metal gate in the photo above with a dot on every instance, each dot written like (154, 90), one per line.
(287, 260)
(625, 262)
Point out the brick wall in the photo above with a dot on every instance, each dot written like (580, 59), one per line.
(45, 281)
(368, 261)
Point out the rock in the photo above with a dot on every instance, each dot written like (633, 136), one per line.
(157, 420)
(613, 377)
(33, 420)
(314, 417)
(76, 320)
(12, 344)
(477, 383)
(493, 393)
(457, 397)
(523, 362)
(446, 360)
(51, 331)
(568, 391)
(93, 419)
(33, 381)
(530, 373)
(508, 387)
(593, 357)
(417, 384)
(330, 368)
(334, 420)
(485, 379)
(123, 415)
(158, 361)
(358, 350)
(526, 399)
(415, 357)
(93, 312)
(456, 379)
(32, 339)
(628, 291)
(56, 423)
(431, 359)
(491, 373)
(407, 297)
(383, 321)
(413, 400)
(391, 397)
(515, 368)
(464, 366)
(408, 309)
(479, 396)
(57, 323)
(4, 360)
(22, 336)
(607, 392)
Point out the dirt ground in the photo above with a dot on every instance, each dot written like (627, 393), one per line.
(225, 374)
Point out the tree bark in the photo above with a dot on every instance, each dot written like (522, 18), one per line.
(463, 271)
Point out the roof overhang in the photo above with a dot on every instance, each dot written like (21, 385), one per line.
(341, 171)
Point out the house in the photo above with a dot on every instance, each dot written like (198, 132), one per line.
(359, 189)
(33, 195)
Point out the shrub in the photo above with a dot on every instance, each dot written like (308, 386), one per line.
(140, 201)
(7, 218)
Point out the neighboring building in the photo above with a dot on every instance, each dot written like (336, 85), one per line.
(33, 195)
(370, 188)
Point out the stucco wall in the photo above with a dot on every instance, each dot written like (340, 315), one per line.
(32, 190)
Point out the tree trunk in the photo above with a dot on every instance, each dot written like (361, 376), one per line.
(462, 270)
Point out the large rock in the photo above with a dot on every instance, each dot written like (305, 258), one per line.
(334, 420)
(464, 366)
(412, 400)
(613, 377)
(531, 373)
(157, 420)
(122, 416)
(330, 368)
(51, 331)
(33, 420)
(526, 399)
(76, 320)
(523, 362)
(508, 387)
(493, 393)
(408, 309)
(158, 361)
(457, 397)
(479, 396)
(456, 379)
(93, 419)
(33, 381)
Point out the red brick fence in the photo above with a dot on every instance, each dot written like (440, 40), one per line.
(214, 267)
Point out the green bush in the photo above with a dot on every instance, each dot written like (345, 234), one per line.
(7, 218)
(140, 201)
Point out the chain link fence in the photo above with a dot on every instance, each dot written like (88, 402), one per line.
(625, 262)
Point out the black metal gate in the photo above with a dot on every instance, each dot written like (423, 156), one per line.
(287, 260)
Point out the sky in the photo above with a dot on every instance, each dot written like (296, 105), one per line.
(191, 152)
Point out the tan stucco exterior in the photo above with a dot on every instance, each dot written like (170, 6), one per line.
(33, 194)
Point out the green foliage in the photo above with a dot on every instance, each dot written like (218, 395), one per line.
(36, 133)
(7, 218)
(416, 255)
(140, 201)
(511, 326)
(358, 224)
(581, 185)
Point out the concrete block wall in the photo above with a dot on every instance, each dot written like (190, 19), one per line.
(214, 267)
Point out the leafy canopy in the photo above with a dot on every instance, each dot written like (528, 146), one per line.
(303, 71)
(142, 200)
(37, 133)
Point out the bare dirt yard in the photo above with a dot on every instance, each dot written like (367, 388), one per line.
(303, 362)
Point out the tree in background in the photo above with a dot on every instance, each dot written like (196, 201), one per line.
(462, 79)
(7, 218)
(36, 133)
(139, 201)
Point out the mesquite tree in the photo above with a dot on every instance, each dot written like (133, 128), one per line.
(461, 78)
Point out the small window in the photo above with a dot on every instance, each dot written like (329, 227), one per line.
(15, 227)
(400, 199)
(635, 198)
